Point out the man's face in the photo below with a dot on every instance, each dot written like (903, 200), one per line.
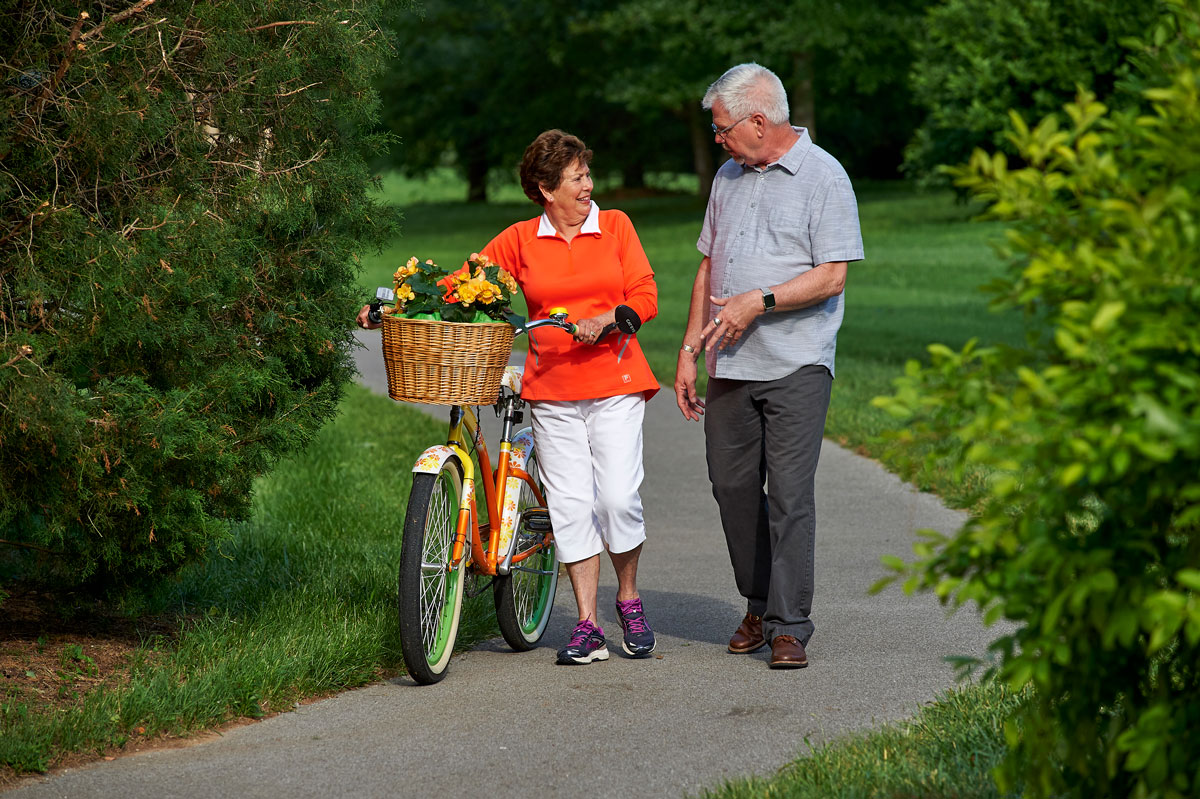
(731, 133)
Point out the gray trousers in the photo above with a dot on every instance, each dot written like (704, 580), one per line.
(769, 432)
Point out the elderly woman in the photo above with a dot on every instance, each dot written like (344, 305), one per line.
(587, 396)
(587, 400)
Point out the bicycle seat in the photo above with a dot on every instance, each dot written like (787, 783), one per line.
(512, 378)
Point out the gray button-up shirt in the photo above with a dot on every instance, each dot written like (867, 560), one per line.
(764, 227)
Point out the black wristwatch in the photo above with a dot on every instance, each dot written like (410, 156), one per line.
(768, 300)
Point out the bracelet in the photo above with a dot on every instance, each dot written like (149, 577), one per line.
(688, 348)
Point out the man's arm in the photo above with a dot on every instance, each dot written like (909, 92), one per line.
(685, 369)
(814, 286)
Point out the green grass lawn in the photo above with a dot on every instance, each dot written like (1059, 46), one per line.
(301, 602)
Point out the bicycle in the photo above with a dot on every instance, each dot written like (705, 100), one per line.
(444, 541)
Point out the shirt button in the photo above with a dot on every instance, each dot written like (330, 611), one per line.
(730, 260)
(753, 204)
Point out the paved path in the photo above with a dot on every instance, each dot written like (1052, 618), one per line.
(505, 724)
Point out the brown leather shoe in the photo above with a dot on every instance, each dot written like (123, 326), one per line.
(787, 653)
(749, 636)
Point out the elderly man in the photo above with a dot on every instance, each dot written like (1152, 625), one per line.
(781, 226)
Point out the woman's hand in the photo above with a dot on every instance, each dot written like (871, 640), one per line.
(364, 321)
(588, 330)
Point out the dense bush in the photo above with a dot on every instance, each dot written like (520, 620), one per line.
(979, 58)
(1089, 535)
(182, 195)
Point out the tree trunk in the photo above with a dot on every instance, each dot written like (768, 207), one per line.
(702, 148)
(633, 176)
(803, 110)
(477, 172)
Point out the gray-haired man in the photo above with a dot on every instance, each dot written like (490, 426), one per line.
(781, 226)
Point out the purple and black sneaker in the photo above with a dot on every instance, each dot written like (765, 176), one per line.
(638, 641)
(587, 645)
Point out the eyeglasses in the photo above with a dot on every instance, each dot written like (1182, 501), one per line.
(722, 131)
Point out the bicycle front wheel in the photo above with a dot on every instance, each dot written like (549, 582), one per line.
(431, 588)
(525, 597)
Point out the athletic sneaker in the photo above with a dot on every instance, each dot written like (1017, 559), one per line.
(587, 645)
(638, 641)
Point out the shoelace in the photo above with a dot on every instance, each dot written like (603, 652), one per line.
(633, 616)
(582, 632)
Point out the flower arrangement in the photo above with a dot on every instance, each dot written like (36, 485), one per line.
(479, 291)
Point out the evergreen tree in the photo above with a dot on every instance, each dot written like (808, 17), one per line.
(183, 192)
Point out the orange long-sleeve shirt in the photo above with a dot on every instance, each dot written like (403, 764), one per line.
(603, 266)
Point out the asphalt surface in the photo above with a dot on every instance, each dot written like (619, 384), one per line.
(506, 724)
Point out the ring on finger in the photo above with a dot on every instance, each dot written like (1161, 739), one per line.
(716, 320)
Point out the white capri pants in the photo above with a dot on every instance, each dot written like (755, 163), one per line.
(590, 454)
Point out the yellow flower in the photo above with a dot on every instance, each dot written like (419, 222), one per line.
(508, 281)
(466, 293)
(489, 292)
(412, 263)
(404, 293)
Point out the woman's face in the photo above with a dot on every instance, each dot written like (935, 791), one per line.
(574, 192)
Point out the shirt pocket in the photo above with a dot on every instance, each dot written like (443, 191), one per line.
(786, 235)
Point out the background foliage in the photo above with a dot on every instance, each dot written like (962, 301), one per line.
(628, 77)
(182, 195)
(1088, 535)
(976, 59)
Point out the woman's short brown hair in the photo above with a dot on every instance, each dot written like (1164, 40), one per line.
(546, 159)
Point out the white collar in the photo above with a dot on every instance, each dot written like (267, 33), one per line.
(590, 225)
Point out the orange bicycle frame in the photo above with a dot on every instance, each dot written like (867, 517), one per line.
(464, 437)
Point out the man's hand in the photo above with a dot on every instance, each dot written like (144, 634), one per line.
(735, 315)
(689, 404)
(364, 321)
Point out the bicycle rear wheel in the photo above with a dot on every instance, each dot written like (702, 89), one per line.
(430, 591)
(525, 597)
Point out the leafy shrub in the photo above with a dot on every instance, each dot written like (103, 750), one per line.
(1089, 534)
(182, 194)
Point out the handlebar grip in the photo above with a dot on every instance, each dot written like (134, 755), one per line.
(374, 315)
(627, 321)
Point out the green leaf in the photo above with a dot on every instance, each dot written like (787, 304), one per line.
(1071, 474)
(1108, 314)
(1189, 578)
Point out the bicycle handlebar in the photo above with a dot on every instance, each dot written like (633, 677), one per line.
(627, 319)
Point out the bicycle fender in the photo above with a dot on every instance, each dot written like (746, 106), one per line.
(522, 445)
(432, 459)
(512, 377)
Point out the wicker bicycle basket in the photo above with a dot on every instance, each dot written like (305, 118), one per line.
(445, 363)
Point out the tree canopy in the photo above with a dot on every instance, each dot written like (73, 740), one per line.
(977, 59)
(628, 77)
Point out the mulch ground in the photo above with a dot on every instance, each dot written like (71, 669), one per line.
(53, 653)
